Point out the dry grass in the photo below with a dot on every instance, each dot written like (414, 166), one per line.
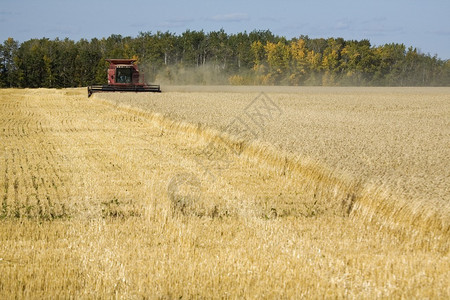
(104, 198)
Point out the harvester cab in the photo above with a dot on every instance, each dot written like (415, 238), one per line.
(123, 76)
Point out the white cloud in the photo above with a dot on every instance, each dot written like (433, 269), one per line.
(343, 24)
(233, 17)
(178, 22)
(270, 19)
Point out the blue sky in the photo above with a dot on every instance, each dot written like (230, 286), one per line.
(422, 24)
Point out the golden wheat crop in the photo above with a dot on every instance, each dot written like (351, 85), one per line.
(341, 193)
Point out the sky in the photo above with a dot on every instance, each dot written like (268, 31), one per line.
(418, 23)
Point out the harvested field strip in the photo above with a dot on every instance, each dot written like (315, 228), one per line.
(338, 192)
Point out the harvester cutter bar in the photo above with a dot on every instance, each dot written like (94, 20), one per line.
(113, 88)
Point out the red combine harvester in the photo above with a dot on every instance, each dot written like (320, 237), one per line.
(123, 76)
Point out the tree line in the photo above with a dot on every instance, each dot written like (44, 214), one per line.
(195, 57)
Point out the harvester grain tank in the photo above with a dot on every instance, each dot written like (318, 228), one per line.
(123, 76)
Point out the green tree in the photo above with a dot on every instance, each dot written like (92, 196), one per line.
(192, 42)
(389, 67)
(240, 45)
(216, 46)
(8, 68)
(87, 59)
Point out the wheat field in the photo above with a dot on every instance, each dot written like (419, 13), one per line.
(225, 193)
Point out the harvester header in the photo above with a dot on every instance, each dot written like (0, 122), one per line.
(124, 76)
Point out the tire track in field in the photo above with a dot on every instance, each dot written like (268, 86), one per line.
(44, 183)
(51, 168)
(15, 204)
(15, 127)
(5, 187)
(27, 194)
(30, 185)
